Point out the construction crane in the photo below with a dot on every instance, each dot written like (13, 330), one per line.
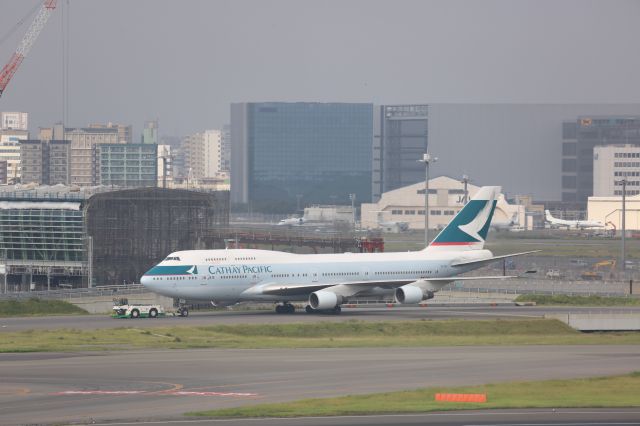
(25, 44)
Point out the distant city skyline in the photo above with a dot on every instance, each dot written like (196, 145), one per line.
(184, 62)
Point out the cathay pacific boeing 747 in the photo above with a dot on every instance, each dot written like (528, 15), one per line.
(230, 276)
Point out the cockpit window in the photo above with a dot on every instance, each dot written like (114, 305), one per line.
(172, 258)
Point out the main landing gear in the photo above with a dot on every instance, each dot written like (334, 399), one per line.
(335, 311)
(285, 308)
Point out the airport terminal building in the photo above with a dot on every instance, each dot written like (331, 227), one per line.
(63, 237)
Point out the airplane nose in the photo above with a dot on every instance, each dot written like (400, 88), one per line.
(147, 281)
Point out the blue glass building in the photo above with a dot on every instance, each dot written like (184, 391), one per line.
(321, 152)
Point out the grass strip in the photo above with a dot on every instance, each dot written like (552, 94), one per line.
(34, 306)
(617, 391)
(348, 334)
(564, 300)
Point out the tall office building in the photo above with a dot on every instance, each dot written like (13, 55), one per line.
(150, 132)
(128, 165)
(14, 121)
(320, 152)
(59, 162)
(45, 162)
(579, 139)
(33, 161)
(399, 140)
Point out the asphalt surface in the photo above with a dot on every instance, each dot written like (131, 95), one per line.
(45, 388)
(86, 322)
(538, 417)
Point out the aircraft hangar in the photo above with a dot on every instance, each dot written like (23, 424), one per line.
(446, 198)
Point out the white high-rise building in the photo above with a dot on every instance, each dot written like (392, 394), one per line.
(612, 164)
(10, 152)
(203, 154)
(212, 150)
(164, 163)
(14, 121)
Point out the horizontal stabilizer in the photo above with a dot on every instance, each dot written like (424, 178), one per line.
(491, 259)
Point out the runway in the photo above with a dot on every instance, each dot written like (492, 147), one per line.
(86, 322)
(527, 417)
(161, 385)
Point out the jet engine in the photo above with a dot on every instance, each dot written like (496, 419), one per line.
(323, 299)
(408, 294)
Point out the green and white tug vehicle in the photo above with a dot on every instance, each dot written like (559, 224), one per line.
(122, 309)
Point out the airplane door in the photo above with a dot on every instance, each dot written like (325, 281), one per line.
(314, 275)
(255, 279)
(364, 274)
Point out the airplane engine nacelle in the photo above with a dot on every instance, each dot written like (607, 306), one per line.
(408, 294)
(324, 300)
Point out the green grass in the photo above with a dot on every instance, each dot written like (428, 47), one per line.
(618, 391)
(565, 300)
(346, 334)
(11, 308)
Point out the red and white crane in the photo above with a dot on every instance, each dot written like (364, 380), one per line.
(25, 44)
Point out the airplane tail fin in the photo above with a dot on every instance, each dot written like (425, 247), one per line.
(468, 229)
(547, 215)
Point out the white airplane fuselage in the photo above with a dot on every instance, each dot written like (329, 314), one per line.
(235, 275)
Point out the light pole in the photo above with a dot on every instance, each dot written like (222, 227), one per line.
(426, 159)
(352, 197)
(624, 223)
(465, 181)
(298, 197)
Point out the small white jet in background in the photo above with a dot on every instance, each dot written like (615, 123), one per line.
(499, 225)
(292, 221)
(575, 224)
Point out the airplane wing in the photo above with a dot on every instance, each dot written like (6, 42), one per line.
(279, 289)
(491, 259)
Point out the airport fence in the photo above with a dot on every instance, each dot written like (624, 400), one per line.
(133, 289)
(67, 294)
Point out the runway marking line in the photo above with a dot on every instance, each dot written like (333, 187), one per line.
(97, 392)
(173, 392)
(204, 393)
(490, 313)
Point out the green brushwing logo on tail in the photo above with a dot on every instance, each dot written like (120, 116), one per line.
(469, 226)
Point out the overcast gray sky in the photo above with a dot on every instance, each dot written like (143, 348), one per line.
(184, 61)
